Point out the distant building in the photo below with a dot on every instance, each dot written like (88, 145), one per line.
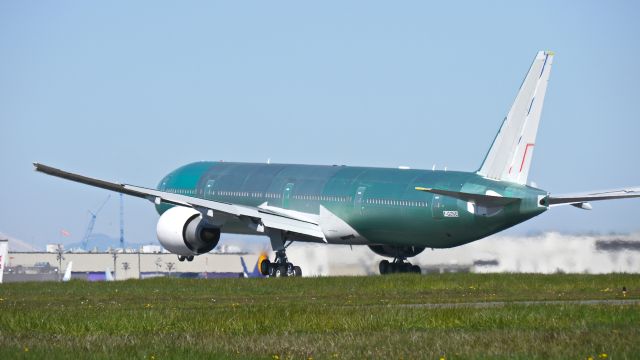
(45, 266)
(54, 248)
(151, 249)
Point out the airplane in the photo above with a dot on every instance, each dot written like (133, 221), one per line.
(256, 269)
(67, 272)
(108, 276)
(4, 249)
(396, 212)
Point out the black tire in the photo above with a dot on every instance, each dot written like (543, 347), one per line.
(264, 267)
(406, 268)
(281, 271)
(180, 258)
(272, 270)
(190, 258)
(297, 271)
(416, 269)
(393, 268)
(384, 267)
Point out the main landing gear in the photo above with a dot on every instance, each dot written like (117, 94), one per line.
(398, 265)
(183, 258)
(280, 267)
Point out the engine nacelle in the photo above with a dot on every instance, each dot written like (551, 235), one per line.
(182, 231)
(396, 251)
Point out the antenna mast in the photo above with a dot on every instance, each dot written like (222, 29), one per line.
(121, 221)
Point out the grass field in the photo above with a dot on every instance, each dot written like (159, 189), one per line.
(325, 318)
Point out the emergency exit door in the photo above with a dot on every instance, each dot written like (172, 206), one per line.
(286, 195)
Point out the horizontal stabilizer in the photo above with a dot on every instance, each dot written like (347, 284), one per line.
(591, 196)
(486, 200)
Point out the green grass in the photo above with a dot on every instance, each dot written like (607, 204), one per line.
(346, 317)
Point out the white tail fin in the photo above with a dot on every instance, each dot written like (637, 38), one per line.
(4, 244)
(67, 272)
(107, 275)
(512, 150)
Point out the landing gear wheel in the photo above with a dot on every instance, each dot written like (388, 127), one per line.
(190, 258)
(399, 265)
(181, 258)
(384, 267)
(264, 266)
(281, 271)
(272, 269)
(297, 271)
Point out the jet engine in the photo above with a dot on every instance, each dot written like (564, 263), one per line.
(395, 251)
(182, 231)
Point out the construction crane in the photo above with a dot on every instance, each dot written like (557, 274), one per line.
(121, 222)
(92, 222)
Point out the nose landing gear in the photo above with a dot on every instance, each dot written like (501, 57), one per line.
(398, 265)
(183, 258)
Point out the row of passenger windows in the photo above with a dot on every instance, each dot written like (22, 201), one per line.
(181, 191)
(247, 194)
(327, 198)
(396, 202)
(323, 198)
(304, 197)
(191, 192)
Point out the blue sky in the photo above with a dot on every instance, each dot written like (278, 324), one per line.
(128, 91)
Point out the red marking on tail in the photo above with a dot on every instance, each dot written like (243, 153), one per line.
(525, 155)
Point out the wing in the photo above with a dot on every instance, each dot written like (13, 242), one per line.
(257, 218)
(581, 200)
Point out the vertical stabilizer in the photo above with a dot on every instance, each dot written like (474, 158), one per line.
(245, 271)
(509, 157)
(107, 275)
(67, 272)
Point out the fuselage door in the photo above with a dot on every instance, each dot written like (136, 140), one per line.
(437, 206)
(286, 195)
(209, 191)
(358, 202)
(443, 207)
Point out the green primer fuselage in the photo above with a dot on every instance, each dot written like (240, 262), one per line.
(381, 204)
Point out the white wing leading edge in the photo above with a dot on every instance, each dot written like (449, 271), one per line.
(582, 200)
(256, 218)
